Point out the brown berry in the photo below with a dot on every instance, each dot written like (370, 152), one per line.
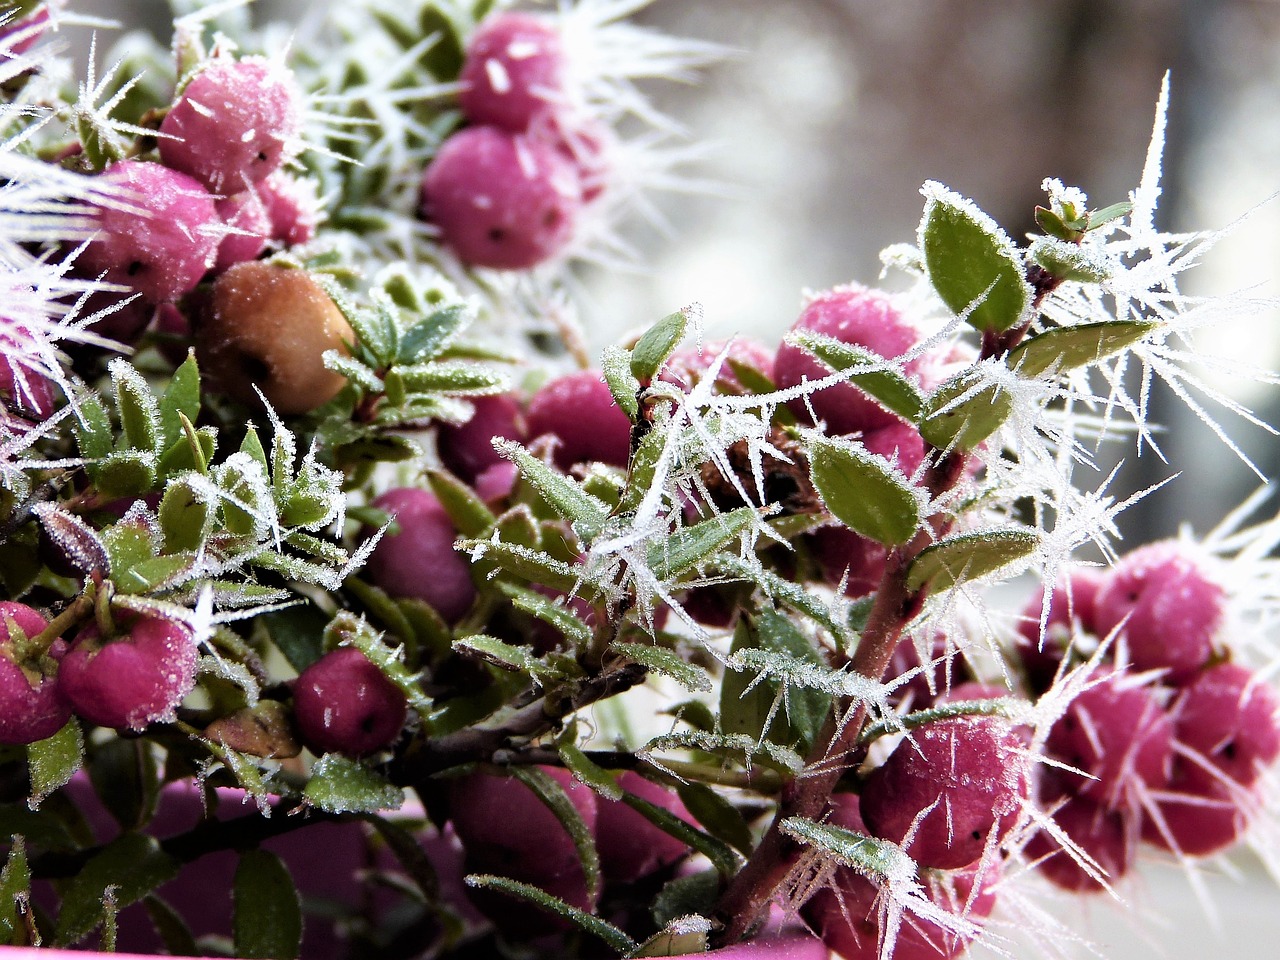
(269, 326)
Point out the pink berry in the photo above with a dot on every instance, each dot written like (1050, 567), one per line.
(971, 772)
(1202, 813)
(926, 682)
(233, 124)
(293, 207)
(344, 704)
(132, 680)
(842, 553)
(248, 226)
(500, 199)
(495, 483)
(163, 250)
(513, 72)
(23, 390)
(506, 830)
(467, 449)
(1120, 735)
(686, 367)
(1228, 716)
(1073, 601)
(630, 846)
(579, 412)
(856, 315)
(1169, 606)
(26, 31)
(1102, 834)
(32, 705)
(420, 561)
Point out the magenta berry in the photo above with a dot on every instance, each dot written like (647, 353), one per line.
(900, 443)
(1119, 734)
(18, 35)
(1228, 716)
(162, 248)
(420, 561)
(248, 224)
(500, 199)
(856, 315)
(971, 771)
(842, 553)
(234, 123)
(132, 680)
(467, 449)
(1202, 813)
(22, 390)
(1170, 608)
(579, 412)
(32, 706)
(292, 206)
(686, 367)
(1104, 835)
(630, 846)
(513, 72)
(343, 703)
(1072, 606)
(495, 483)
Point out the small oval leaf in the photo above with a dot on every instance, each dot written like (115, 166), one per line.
(964, 411)
(657, 343)
(1065, 348)
(968, 556)
(268, 914)
(863, 491)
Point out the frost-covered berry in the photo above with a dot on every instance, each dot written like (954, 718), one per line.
(268, 326)
(293, 207)
(343, 703)
(947, 787)
(1073, 602)
(1104, 835)
(19, 34)
(132, 680)
(1170, 606)
(32, 705)
(513, 72)
(247, 223)
(234, 123)
(856, 315)
(1203, 812)
(1228, 716)
(165, 242)
(420, 561)
(579, 412)
(841, 553)
(506, 830)
(630, 846)
(467, 448)
(1120, 735)
(686, 367)
(501, 199)
(22, 390)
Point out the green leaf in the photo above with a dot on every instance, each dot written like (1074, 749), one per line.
(692, 546)
(890, 387)
(1069, 261)
(173, 930)
(863, 491)
(268, 914)
(641, 471)
(185, 518)
(792, 595)
(127, 544)
(93, 428)
(685, 935)
(657, 343)
(341, 785)
(125, 473)
(1115, 211)
(721, 856)
(546, 609)
(1010, 708)
(52, 762)
(534, 566)
(867, 855)
(403, 843)
(1052, 224)
(134, 864)
(692, 895)
(298, 633)
(193, 450)
(503, 655)
(252, 445)
(139, 411)
(429, 336)
(444, 57)
(720, 817)
(1065, 348)
(15, 886)
(456, 377)
(615, 938)
(154, 574)
(570, 502)
(600, 780)
(470, 516)
(972, 264)
(126, 778)
(968, 556)
(385, 448)
(758, 713)
(182, 396)
(667, 662)
(554, 798)
(953, 423)
(616, 365)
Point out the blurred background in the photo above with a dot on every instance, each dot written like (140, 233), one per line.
(832, 113)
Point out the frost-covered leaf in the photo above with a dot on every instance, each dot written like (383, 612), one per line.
(615, 938)
(505, 656)
(972, 263)
(693, 546)
(554, 798)
(726, 745)
(667, 662)
(93, 428)
(186, 516)
(692, 894)
(719, 853)
(348, 630)
(869, 856)
(964, 411)
(968, 556)
(454, 377)
(78, 542)
(720, 817)
(1069, 261)
(133, 864)
(1065, 348)
(182, 396)
(566, 497)
(656, 344)
(549, 610)
(156, 573)
(792, 595)
(138, 408)
(125, 473)
(52, 762)
(469, 514)
(533, 565)
(880, 380)
(1010, 708)
(615, 364)
(267, 917)
(683, 935)
(339, 784)
(15, 889)
(429, 336)
(585, 770)
(863, 491)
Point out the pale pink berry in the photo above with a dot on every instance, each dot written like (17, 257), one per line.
(501, 199)
(132, 680)
(467, 448)
(23, 390)
(248, 225)
(856, 315)
(506, 830)
(1201, 813)
(293, 207)
(234, 123)
(420, 561)
(513, 72)
(630, 846)
(589, 147)
(343, 703)
(686, 367)
(946, 788)
(579, 412)
(1169, 605)
(495, 483)
(163, 247)
(925, 683)
(32, 705)
(1228, 716)
(1104, 835)
(1121, 736)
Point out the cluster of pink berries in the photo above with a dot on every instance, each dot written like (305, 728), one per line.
(1171, 740)
(508, 189)
(126, 681)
